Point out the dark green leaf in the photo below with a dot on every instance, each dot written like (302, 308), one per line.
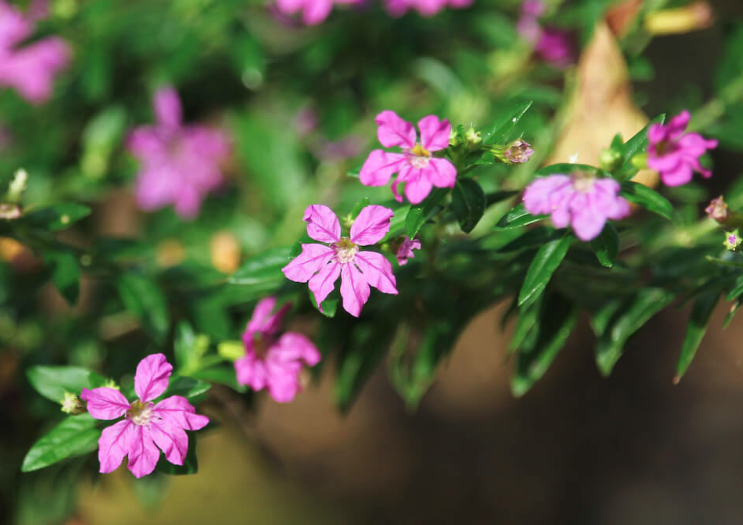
(737, 290)
(421, 213)
(567, 168)
(261, 274)
(222, 375)
(329, 305)
(647, 198)
(695, 330)
(468, 203)
(74, 436)
(639, 142)
(606, 245)
(506, 123)
(190, 463)
(57, 217)
(731, 313)
(518, 217)
(545, 262)
(184, 345)
(53, 381)
(187, 387)
(499, 196)
(65, 274)
(143, 298)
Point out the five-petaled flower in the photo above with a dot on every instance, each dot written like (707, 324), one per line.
(271, 360)
(180, 164)
(358, 270)
(416, 165)
(147, 425)
(580, 200)
(31, 68)
(405, 251)
(675, 154)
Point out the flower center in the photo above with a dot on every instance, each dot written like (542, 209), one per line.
(419, 156)
(664, 147)
(260, 345)
(345, 250)
(140, 413)
(583, 182)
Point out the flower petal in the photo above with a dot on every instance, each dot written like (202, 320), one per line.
(316, 11)
(284, 389)
(354, 289)
(143, 454)
(435, 133)
(394, 131)
(177, 411)
(313, 258)
(293, 346)
(418, 188)
(441, 173)
(322, 223)
(151, 379)
(587, 224)
(323, 282)
(379, 167)
(105, 403)
(538, 196)
(167, 107)
(405, 251)
(378, 271)
(262, 320)
(113, 445)
(371, 225)
(251, 372)
(172, 440)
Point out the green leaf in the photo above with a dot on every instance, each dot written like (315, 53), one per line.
(221, 375)
(144, 299)
(731, 313)
(518, 217)
(329, 305)
(554, 329)
(360, 205)
(261, 274)
(187, 387)
(540, 271)
(647, 198)
(354, 172)
(737, 290)
(397, 223)
(53, 381)
(468, 203)
(190, 463)
(506, 123)
(606, 245)
(56, 217)
(65, 274)
(629, 318)
(74, 436)
(566, 168)
(420, 214)
(695, 330)
(184, 345)
(639, 142)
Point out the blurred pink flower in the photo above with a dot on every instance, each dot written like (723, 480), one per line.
(179, 164)
(417, 167)
(147, 425)
(552, 45)
(675, 154)
(405, 251)
(30, 69)
(313, 11)
(322, 265)
(271, 360)
(397, 8)
(580, 200)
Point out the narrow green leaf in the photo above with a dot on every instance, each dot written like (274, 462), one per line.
(57, 217)
(647, 198)
(499, 196)
(53, 381)
(419, 214)
(74, 436)
(695, 330)
(262, 272)
(566, 168)
(468, 203)
(724, 262)
(143, 298)
(222, 375)
(629, 318)
(731, 313)
(65, 274)
(354, 172)
(737, 290)
(545, 262)
(184, 345)
(187, 387)
(606, 245)
(329, 305)
(518, 217)
(506, 123)
(639, 142)
(360, 205)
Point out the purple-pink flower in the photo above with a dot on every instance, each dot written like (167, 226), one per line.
(271, 360)
(675, 154)
(313, 11)
(580, 200)
(397, 8)
(551, 44)
(405, 251)
(322, 265)
(29, 69)
(147, 425)
(179, 164)
(416, 166)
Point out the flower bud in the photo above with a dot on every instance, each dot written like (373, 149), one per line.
(732, 240)
(718, 210)
(17, 186)
(473, 138)
(517, 152)
(610, 160)
(71, 404)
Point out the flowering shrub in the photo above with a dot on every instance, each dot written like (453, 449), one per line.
(124, 242)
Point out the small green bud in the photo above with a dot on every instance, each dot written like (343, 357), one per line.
(71, 404)
(455, 138)
(17, 186)
(732, 240)
(110, 383)
(640, 161)
(201, 344)
(231, 350)
(473, 138)
(610, 160)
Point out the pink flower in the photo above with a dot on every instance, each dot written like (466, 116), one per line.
(551, 44)
(405, 251)
(675, 154)
(272, 361)
(580, 200)
(146, 424)
(416, 166)
(322, 265)
(397, 8)
(313, 11)
(30, 69)
(180, 164)
(518, 151)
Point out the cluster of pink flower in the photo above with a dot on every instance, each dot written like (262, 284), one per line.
(29, 69)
